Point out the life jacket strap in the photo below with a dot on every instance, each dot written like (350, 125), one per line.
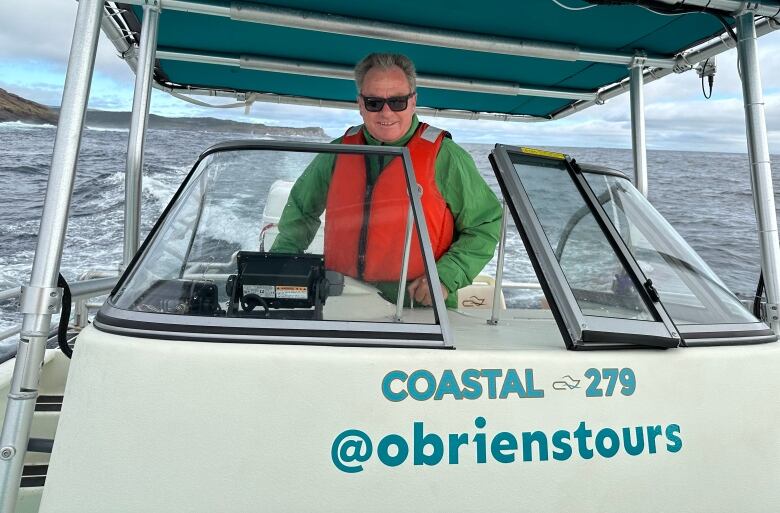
(431, 133)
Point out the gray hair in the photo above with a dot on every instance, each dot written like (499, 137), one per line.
(385, 61)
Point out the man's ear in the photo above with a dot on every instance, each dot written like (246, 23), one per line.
(361, 107)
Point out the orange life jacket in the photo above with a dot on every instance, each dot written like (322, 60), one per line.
(365, 226)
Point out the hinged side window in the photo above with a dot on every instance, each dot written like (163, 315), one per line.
(598, 292)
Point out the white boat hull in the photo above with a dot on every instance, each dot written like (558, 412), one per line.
(162, 425)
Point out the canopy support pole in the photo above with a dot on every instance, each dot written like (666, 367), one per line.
(41, 298)
(138, 123)
(638, 125)
(760, 166)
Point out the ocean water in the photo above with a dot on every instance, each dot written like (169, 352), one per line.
(705, 196)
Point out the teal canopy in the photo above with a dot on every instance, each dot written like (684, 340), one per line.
(624, 29)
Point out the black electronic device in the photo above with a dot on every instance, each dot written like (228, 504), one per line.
(190, 297)
(282, 285)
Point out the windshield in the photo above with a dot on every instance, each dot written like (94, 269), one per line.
(246, 238)
(689, 289)
(598, 279)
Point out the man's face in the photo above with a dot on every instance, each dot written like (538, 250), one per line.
(386, 125)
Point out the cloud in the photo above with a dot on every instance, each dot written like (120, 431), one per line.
(36, 36)
(42, 31)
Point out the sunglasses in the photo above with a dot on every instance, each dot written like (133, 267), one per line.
(396, 103)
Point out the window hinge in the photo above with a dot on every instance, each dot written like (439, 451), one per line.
(652, 292)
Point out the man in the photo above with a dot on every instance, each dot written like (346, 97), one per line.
(365, 216)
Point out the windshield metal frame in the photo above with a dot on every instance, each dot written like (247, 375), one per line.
(701, 334)
(580, 331)
(155, 325)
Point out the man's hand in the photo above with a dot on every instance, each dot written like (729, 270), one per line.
(420, 292)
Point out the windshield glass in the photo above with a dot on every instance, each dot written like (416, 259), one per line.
(598, 279)
(689, 289)
(246, 237)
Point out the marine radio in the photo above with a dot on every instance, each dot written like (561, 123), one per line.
(281, 286)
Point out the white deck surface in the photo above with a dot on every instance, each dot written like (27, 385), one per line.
(516, 329)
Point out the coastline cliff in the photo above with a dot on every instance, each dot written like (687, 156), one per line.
(16, 108)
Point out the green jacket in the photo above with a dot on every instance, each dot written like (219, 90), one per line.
(474, 207)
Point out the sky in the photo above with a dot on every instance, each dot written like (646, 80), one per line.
(34, 53)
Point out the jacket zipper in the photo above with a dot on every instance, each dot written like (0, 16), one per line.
(361, 263)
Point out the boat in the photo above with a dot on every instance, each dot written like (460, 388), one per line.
(222, 377)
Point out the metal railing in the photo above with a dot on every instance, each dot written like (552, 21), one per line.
(91, 284)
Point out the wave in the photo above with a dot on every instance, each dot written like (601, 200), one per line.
(106, 129)
(160, 187)
(31, 126)
(24, 126)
